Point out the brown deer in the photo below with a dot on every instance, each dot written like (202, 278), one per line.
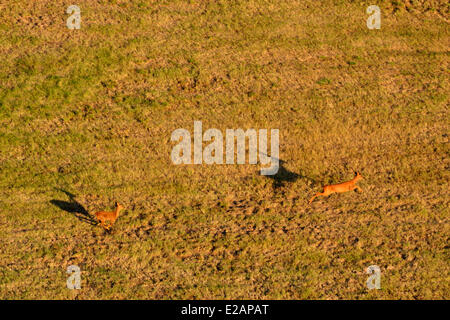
(340, 187)
(103, 217)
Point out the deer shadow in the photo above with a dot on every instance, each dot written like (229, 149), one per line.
(75, 208)
(284, 176)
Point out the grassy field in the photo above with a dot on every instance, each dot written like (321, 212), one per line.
(86, 118)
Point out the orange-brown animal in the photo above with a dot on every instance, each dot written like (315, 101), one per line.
(105, 217)
(340, 187)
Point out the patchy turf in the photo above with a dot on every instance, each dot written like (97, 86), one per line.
(86, 117)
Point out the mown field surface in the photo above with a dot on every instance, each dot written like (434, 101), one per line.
(86, 118)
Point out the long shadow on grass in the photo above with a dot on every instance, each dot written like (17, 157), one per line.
(284, 176)
(75, 208)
